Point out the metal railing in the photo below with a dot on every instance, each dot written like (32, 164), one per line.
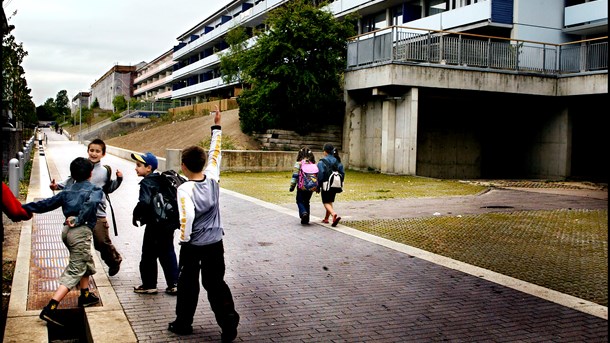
(399, 44)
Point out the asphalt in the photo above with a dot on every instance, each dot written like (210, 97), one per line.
(294, 283)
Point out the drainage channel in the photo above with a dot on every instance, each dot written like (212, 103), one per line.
(48, 259)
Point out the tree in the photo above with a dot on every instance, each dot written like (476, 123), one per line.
(294, 70)
(119, 103)
(50, 112)
(61, 105)
(95, 104)
(15, 92)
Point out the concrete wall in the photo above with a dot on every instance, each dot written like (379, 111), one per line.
(425, 121)
(232, 160)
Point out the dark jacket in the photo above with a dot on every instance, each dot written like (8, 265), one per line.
(144, 212)
(79, 200)
(323, 171)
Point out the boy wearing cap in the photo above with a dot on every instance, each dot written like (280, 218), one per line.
(158, 242)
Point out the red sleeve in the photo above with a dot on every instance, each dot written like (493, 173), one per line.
(12, 207)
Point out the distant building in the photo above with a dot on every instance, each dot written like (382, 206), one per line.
(81, 100)
(116, 81)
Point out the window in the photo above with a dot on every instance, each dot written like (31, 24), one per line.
(374, 22)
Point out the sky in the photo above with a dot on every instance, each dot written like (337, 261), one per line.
(72, 43)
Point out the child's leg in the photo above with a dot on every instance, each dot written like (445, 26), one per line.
(167, 259)
(60, 293)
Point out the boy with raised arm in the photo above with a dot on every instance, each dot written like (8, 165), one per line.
(201, 246)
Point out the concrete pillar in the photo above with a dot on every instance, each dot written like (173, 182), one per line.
(352, 132)
(411, 114)
(173, 159)
(388, 135)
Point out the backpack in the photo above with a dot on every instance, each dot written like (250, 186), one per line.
(165, 200)
(106, 189)
(333, 181)
(308, 176)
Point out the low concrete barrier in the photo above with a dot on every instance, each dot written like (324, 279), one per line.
(232, 160)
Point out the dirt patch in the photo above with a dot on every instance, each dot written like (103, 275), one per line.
(180, 134)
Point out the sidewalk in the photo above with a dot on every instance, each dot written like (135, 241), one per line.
(318, 284)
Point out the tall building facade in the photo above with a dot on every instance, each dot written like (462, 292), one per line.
(449, 88)
(116, 81)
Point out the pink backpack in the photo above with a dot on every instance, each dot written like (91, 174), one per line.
(308, 176)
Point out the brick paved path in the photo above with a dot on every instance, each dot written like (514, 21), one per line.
(314, 284)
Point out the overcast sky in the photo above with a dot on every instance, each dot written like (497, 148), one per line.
(72, 43)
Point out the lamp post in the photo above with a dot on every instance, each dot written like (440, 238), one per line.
(80, 120)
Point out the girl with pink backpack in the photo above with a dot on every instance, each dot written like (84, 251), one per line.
(305, 180)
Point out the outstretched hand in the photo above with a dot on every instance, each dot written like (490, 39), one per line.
(217, 116)
(53, 185)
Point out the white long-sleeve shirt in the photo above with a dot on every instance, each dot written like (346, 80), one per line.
(198, 201)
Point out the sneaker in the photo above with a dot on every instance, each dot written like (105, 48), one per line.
(50, 315)
(305, 218)
(143, 290)
(112, 271)
(87, 300)
(172, 290)
(180, 329)
(230, 331)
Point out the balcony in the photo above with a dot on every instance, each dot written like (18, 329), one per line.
(153, 71)
(586, 19)
(197, 88)
(156, 84)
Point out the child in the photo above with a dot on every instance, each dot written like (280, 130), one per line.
(39, 137)
(158, 241)
(303, 197)
(331, 157)
(12, 207)
(202, 250)
(79, 203)
(96, 150)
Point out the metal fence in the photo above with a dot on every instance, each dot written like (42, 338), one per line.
(410, 45)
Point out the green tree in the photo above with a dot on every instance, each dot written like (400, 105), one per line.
(50, 110)
(42, 113)
(15, 92)
(62, 105)
(294, 70)
(95, 104)
(119, 103)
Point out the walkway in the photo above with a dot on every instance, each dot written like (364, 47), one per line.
(317, 284)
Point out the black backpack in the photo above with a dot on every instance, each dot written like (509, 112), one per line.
(107, 192)
(165, 201)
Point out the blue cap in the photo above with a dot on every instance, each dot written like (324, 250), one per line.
(148, 159)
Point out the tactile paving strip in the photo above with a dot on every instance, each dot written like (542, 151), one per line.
(48, 259)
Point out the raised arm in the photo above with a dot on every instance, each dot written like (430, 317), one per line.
(212, 170)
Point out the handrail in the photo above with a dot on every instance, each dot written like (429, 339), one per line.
(403, 44)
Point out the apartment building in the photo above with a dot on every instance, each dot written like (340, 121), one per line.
(437, 106)
(153, 80)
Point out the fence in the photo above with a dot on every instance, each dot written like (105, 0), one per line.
(411, 45)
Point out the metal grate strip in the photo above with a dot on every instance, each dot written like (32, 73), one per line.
(48, 259)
